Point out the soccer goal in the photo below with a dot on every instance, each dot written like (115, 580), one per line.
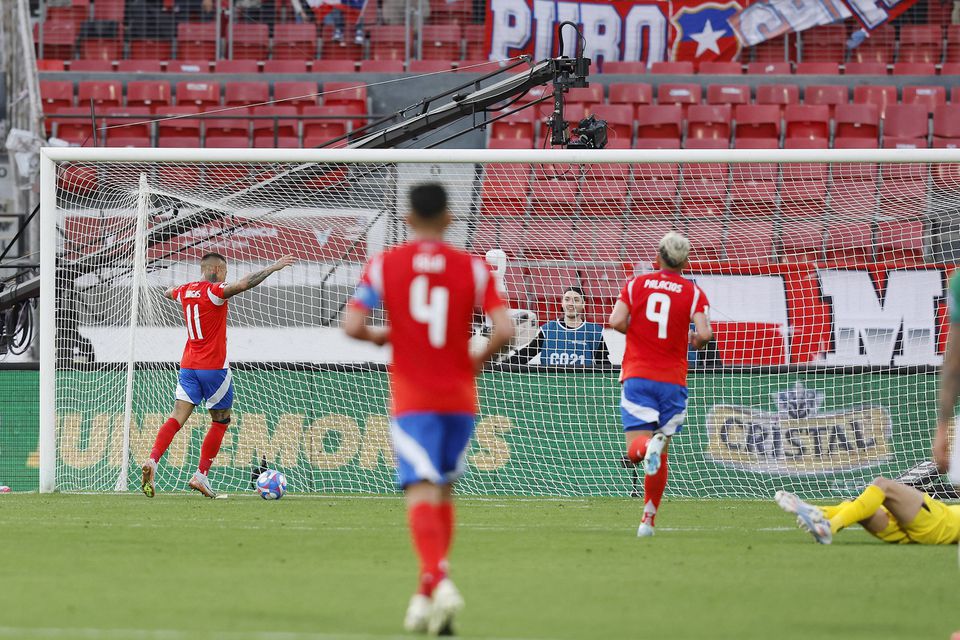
(825, 270)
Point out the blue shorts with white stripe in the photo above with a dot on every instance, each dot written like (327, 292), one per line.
(431, 446)
(213, 385)
(648, 404)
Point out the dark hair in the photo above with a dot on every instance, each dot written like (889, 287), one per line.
(577, 290)
(212, 256)
(428, 201)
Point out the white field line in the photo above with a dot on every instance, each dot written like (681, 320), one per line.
(178, 634)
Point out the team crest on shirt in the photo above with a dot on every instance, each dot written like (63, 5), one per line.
(799, 438)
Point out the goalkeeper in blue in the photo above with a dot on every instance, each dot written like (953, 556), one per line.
(568, 341)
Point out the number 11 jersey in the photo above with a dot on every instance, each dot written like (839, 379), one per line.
(661, 306)
(205, 313)
(429, 291)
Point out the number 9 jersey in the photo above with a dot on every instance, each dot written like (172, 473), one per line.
(429, 291)
(661, 306)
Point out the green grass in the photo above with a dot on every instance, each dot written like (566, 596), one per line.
(178, 566)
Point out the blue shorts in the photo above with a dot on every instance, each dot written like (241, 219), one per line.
(647, 404)
(213, 385)
(431, 446)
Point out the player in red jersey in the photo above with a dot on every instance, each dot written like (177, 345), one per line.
(655, 311)
(429, 290)
(204, 369)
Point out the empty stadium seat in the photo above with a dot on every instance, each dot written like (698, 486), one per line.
(803, 191)
(857, 121)
(504, 191)
(632, 94)
(903, 189)
(92, 66)
(233, 123)
(920, 43)
(505, 234)
(905, 123)
(654, 191)
(56, 94)
(879, 95)
(950, 69)
(750, 241)
(673, 68)
(59, 39)
(510, 143)
(730, 94)
(757, 121)
(586, 95)
(388, 42)
(550, 238)
(769, 68)
(554, 195)
(441, 41)
(244, 93)
(830, 95)
(429, 66)
(236, 66)
(602, 196)
(198, 93)
(914, 69)
(802, 241)
(139, 66)
(251, 41)
(952, 53)
(708, 122)
(659, 121)
(703, 191)
(781, 48)
(173, 122)
(150, 49)
(269, 132)
(196, 41)
(878, 47)
(284, 66)
(319, 130)
(946, 123)
(188, 66)
(824, 43)
(619, 119)
(928, 96)
(122, 140)
(72, 124)
(109, 10)
(602, 285)
(625, 67)
(865, 69)
(807, 121)
(131, 121)
(296, 93)
(103, 93)
(900, 241)
(475, 36)
(818, 68)
(721, 68)
(778, 94)
(849, 240)
(521, 124)
(381, 66)
(678, 94)
(294, 41)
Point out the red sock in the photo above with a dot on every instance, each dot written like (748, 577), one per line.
(164, 438)
(428, 536)
(638, 448)
(654, 485)
(211, 445)
(445, 511)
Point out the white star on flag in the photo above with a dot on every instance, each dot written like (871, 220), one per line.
(707, 39)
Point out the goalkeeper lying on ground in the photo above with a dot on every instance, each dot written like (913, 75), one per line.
(887, 509)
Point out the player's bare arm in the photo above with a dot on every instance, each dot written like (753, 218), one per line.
(168, 293)
(355, 325)
(620, 317)
(251, 280)
(949, 391)
(702, 332)
(500, 337)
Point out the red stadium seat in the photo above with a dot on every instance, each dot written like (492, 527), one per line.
(654, 191)
(59, 39)
(900, 241)
(757, 121)
(510, 143)
(660, 121)
(721, 68)
(441, 41)
(703, 191)
(251, 41)
(750, 241)
(619, 119)
(317, 131)
(807, 121)
(554, 196)
(505, 234)
(103, 93)
(678, 94)
(602, 196)
(196, 41)
(729, 94)
(634, 68)
(708, 121)
(297, 94)
(188, 66)
(827, 42)
(294, 41)
(475, 36)
(586, 95)
(857, 121)
(521, 124)
(77, 129)
(268, 133)
(707, 143)
(778, 94)
(946, 122)
(236, 66)
(128, 121)
(849, 240)
(953, 43)
(547, 283)
(602, 285)
(109, 10)
(178, 126)
(632, 94)
(49, 65)
(955, 95)
(950, 69)
(92, 66)
(914, 69)
(227, 142)
(56, 94)
(905, 122)
(706, 243)
(245, 93)
(878, 47)
(802, 241)
(769, 68)
(121, 140)
(803, 192)
(150, 49)
(388, 42)
(381, 66)
(550, 238)
(351, 95)
(920, 43)
(228, 124)
(284, 66)
(451, 11)
(673, 68)
(641, 245)
(504, 190)
(101, 48)
(818, 68)
(198, 93)
(879, 95)
(429, 66)
(865, 69)
(778, 49)
(139, 66)
(928, 96)
(903, 190)
(830, 95)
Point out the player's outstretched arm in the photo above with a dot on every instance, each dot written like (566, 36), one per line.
(168, 293)
(620, 316)
(500, 337)
(949, 391)
(251, 280)
(355, 325)
(702, 333)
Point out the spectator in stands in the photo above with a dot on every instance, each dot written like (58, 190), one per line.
(148, 19)
(569, 341)
(335, 15)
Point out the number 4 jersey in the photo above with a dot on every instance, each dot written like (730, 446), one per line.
(661, 306)
(205, 313)
(429, 291)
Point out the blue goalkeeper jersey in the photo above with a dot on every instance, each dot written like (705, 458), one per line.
(561, 346)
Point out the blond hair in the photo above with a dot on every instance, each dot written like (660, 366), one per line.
(673, 250)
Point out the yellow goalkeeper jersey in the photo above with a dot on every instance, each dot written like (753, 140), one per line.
(937, 523)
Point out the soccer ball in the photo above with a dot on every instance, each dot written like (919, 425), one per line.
(271, 485)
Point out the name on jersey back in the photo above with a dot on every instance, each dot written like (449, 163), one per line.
(674, 287)
(429, 263)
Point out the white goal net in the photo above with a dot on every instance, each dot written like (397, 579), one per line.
(826, 273)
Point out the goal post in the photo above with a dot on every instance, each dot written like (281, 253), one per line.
(825, 269)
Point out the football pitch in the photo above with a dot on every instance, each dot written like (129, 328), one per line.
(322, 567)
